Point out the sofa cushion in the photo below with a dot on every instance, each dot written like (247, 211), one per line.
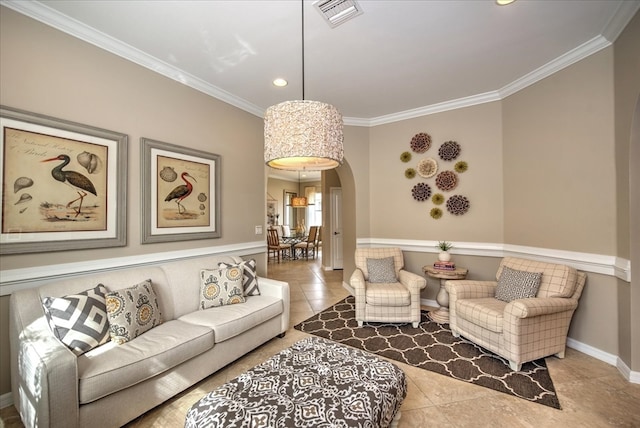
(387, 294)
(485, 312)
(381, 270)
(249, 276)
(220, 287)
(132, 311)
(517, 284)
(79, 320)
(111, 368)
(232, 320)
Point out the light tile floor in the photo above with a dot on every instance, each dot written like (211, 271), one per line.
(591, 393)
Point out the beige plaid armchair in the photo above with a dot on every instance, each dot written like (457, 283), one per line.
(523, 329)
(394, 299)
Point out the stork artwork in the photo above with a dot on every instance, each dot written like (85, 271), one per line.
(78, 182)
(182, 192)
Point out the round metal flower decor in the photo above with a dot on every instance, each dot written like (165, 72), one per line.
(461, 166)
(421, 142)
(447, 180)
(449, 150)
(437, 199)
(436, 213)
(410, 173)
(405, 157)
(421, 192)
(457, 205)
(427, 167)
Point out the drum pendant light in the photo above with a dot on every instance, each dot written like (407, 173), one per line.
(303, 134)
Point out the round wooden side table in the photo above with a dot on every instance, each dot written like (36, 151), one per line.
(441, 315)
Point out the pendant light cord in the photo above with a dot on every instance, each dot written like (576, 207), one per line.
(302, 19)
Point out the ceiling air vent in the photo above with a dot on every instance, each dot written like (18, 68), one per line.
(335, 12)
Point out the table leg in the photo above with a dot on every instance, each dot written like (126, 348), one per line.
(441, 315)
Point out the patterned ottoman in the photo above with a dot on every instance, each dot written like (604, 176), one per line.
(314, 383)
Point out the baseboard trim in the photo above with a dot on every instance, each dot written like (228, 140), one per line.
(6, 400)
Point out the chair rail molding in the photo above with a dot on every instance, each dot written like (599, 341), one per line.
(588, 262)
(16, 279)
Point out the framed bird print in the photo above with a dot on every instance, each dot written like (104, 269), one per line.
(63, 184)
(180, 192)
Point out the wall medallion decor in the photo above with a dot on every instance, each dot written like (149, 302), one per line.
(421, 192)
(461, 166)
(447, 180)
(64, 184)
(421, 142)
(437, 199)
(427, 168)
(457, 205)
(449, 150)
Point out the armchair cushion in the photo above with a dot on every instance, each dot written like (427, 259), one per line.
(517, 284)
(381, 270)
(388, 294)
(486, 312)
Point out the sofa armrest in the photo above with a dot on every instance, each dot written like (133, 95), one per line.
(279, 289)
(44, 372)
(412, 281)
(470, 289)
(528, 308)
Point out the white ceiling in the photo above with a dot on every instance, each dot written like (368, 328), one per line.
(397, 60)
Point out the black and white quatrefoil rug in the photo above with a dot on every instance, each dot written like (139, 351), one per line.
(433, 347)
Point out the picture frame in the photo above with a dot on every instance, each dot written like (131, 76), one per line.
(272, 211)
(180, 193)
(64, 184)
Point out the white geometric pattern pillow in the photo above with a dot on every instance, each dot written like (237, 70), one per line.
(381, 270)
(219, 287)
(517, 284)
(249, 276)
(132, 311)
(79, 320)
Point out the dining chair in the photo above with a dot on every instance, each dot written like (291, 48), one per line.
(275, 246)
(309, 244)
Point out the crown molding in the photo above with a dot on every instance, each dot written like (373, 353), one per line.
(583, 51)
(625, 12)
(48, 16)
(59, 21)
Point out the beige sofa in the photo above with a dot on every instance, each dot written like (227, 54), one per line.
(113, 384)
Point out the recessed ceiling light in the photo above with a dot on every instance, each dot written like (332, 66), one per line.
(504, 2)
(280, 82)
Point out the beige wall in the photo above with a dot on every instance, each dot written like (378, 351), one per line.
(559, 166)
(627, 153)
